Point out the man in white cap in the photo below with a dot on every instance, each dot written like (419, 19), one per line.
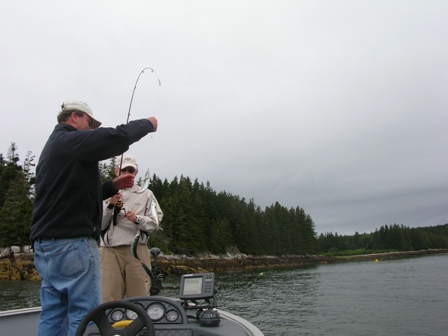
(122, 275)
(68, 212)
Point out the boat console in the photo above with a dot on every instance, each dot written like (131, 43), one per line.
(194, 313)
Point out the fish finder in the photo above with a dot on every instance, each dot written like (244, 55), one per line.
(197, 286)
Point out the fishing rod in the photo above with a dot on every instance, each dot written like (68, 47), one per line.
(118, 206)
(145, 183)
(154, 274)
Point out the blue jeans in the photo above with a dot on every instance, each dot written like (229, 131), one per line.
(71, 283)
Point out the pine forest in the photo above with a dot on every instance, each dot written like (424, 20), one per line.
(198, 219)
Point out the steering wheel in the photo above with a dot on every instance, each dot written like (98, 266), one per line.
(99, 316)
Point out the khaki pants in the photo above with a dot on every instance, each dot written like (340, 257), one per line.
(122, 275)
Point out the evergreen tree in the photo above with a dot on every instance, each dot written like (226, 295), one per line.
(16, 214)
(9, 171)
(28, 173)
(107, 169)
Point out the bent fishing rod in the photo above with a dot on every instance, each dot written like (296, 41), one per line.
(145, 183)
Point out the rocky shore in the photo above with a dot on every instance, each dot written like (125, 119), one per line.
(21, 266)
(175, 265)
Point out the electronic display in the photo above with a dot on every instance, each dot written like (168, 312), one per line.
(197, 286)
(192, 286)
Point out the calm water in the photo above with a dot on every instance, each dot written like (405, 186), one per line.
(396, 297)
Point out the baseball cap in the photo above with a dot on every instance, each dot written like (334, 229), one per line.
(128, 161)
(76, 105)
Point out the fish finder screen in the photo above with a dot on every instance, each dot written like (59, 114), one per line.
(197, 286)
(192, 286)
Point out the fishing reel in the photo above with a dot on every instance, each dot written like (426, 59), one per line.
(118, 207)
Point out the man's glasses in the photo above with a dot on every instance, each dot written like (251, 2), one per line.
(128, 169)
(89, 120)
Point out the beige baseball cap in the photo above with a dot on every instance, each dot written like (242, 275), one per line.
(76, 105)
(128, 161)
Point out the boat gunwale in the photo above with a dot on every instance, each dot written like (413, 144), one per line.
(248, 326)
(20, 311)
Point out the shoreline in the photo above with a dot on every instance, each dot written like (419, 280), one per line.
(170, 265)
(22, 266)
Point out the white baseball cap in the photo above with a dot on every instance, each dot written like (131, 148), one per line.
(76, 105)
(128, 161)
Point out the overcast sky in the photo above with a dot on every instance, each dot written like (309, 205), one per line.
(338, 107)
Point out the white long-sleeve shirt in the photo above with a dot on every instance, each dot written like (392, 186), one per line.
(124, 232)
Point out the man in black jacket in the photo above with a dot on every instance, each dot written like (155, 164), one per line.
(68, 211)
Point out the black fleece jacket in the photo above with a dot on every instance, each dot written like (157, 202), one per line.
(68, 201)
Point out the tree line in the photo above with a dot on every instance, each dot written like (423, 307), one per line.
(388, 238)
(198, 219)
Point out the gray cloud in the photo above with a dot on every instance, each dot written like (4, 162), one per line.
(335, 107)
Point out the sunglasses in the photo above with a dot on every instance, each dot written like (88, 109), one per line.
(89, 121)
(128, 169)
